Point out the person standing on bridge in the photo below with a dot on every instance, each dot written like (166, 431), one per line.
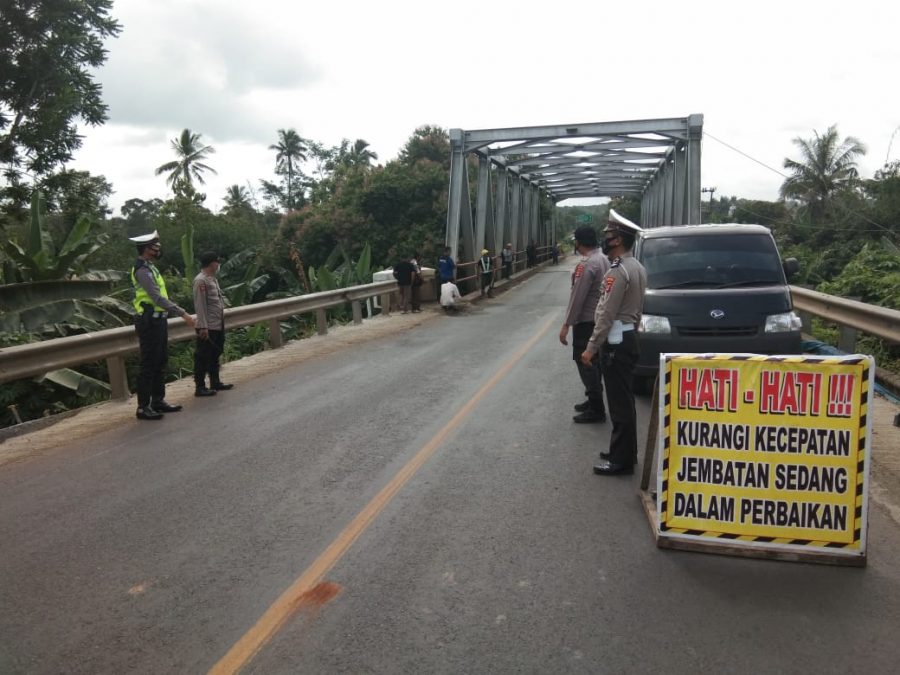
(486, 273)
(507, 255)
(531, 254)
(404, 272)
(616, 321)
(210, 308)
(587, 277)
(152, 308)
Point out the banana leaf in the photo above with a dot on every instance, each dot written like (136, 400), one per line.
(81, 384)
(24, 296)
(364, 266)
(187, 252)
(325, 279)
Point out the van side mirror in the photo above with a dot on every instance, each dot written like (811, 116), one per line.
(791, 266)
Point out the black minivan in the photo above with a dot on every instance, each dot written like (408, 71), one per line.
(714, 288)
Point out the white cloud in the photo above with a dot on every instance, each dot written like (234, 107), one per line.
(237, 71)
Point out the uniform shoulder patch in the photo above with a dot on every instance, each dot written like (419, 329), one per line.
(579, 270)
(608, 283)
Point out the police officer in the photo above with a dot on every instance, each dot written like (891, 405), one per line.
(616, 322)
(210, 307)
(587, 278)
(152, 307)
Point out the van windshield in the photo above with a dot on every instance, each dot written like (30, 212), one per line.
(727, 261)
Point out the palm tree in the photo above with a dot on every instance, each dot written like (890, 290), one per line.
(189, 165)
(237, 198)
(360, 153)
(827, 166)
(291, 150)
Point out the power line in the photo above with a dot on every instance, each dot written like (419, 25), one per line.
(741, 152)
(844, 208)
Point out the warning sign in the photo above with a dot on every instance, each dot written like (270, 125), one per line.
(765, 450)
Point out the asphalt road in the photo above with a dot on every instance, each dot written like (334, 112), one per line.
(417, 504)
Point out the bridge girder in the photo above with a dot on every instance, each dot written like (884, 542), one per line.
(658, 159)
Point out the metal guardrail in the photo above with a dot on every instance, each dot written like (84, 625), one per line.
(872, 319)
(113, 344)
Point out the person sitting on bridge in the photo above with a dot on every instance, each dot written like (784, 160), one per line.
(450, 297)
(152, 308)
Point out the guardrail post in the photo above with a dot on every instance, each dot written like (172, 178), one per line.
(275, 340)
(386, 299)
(847, 339)
(321, 322)
(806, 322)
(118, 378)
(357, 312)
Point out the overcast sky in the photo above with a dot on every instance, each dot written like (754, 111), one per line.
(761, 73)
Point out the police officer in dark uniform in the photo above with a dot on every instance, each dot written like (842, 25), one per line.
(616, 322)
(152, 308)
(587, 280)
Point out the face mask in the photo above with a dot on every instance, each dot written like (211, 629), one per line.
(607, 245)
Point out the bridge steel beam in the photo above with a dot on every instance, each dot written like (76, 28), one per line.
(501, 221)
(658, 159)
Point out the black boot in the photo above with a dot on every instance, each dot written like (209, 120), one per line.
(203, 391)
(590, 416)
(164, 407)
(148, 413)
(221, 386)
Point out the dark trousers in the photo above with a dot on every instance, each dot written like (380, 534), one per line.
(487, 282)
(153, 338)
(590, 375)
(416, 296)
(405, 292)
(617, 365)
(206, 358)
(507, 269)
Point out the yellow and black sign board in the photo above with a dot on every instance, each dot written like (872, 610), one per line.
(765, 451)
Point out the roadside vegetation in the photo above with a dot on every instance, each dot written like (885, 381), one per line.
(327, 216)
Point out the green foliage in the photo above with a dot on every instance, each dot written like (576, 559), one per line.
(872, 276)
(49, 54)
(39, 259)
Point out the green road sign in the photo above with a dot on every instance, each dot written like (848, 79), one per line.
(584, 218)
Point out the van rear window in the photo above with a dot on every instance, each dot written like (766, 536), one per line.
(711, 261)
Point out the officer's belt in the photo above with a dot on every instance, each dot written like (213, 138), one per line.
(156, 315)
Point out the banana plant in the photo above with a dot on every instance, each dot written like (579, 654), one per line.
(244, 267)
(39, 260)
(47, 286)
(330, 276)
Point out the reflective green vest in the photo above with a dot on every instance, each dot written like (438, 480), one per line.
(141, 297)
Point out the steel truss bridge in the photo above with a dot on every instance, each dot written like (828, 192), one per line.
(521, 168)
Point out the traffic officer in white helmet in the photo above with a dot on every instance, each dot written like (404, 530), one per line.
(614, 341)
(152, 308)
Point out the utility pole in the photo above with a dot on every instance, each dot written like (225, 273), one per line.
(711, 191)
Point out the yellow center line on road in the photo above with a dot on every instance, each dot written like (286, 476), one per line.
(278, 613)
